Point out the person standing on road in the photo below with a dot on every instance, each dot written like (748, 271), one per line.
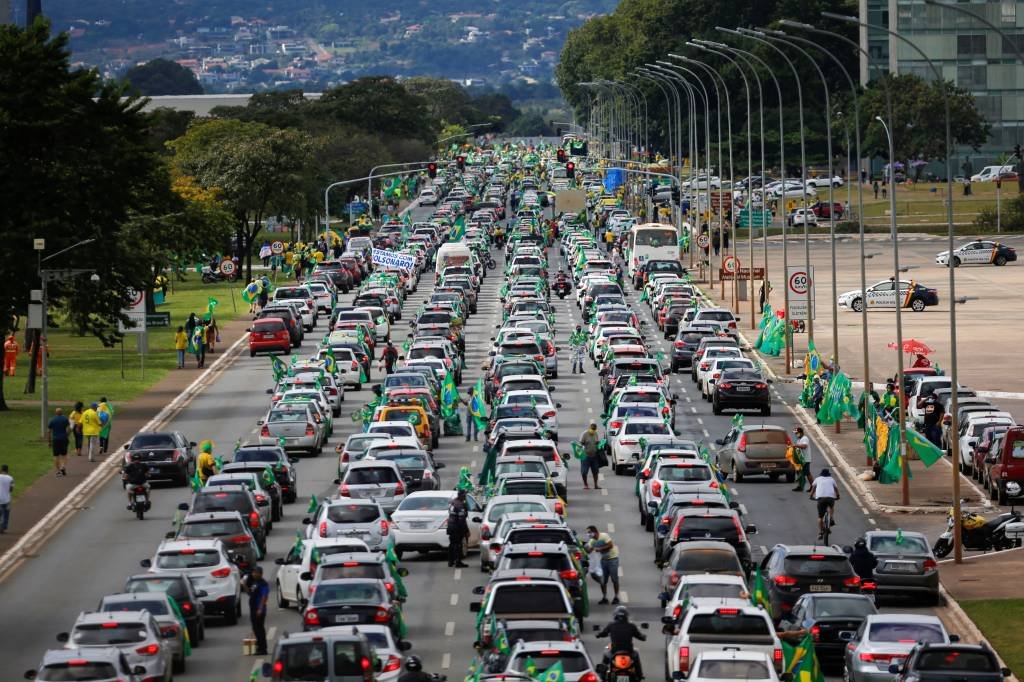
(106, 415)
(458, 529)
(802, 444)
(471, 428)
(390, 357)
(181, 345)
(602, 543)
(591, 461)
(57, 435)
(91, 430)
(76, 426)
(825, 492)
(206, 465)
(933, 413)
(578, 344)
(6, 487)
(259, 592)
(890, 402)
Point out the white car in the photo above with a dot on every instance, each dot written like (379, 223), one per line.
(558, 472)
(428, 197)
(978, 252)
(390, 652)
(207, 564)
(501, 508)
(800, 216)
(712, 353)
(547, 411)
(292, 589)
(970, 434)
(625, 444)
(703, 589)
(322, 296)
(834, 181)
(714, 628)
(750, 666)
(420, 523)
(883, 295)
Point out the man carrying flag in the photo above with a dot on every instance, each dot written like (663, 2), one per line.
(476, 410)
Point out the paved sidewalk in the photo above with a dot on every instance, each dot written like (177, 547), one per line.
(130, 417)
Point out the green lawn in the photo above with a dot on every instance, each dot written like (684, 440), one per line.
(81, 368)
(1002, 623)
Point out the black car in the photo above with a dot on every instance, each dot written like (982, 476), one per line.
(827, 616)
(686, 342)
(268, 483)
(229, 527)
(168, 455)
(233, 498)
(790, 571)
(296, 332)
(339, 275)
(702, 523)
(280, 463)
(649, 267)
(741, 389)
(673, 316)
(351, 601)
(184, 591)
(417, 467)
(661, 517)
(950, 663)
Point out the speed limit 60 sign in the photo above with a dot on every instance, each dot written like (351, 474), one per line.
(800, 285)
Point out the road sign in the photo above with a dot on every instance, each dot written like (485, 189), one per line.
(158, 320)
(730, 264)
(135, 311)
(741, 273)
(703, 241)
(227, 267)
(801, 292)
(277, 248)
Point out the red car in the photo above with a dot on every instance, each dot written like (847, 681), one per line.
(267, 335)
(821, 209)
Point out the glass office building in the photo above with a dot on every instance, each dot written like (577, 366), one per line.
(967, 52)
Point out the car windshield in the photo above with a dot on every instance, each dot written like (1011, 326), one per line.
(766, 437)
(425, 503)
(540, 560)
(365, 593)
(352, 513)
(733, 670)
(718, 315)
(684, 473)
(304, 660)
(647, 428)
(510, 467)
(110, 633)
(410, 461)
(729, 622)
(539, 535)
(817, 564)
(79, 671)
(158, 607)
(152, 440)
(393, 429)
(707, 527)
(172, 586)
(245, 455)
(895, 544)
(572, 661)
(501, 509)
(961, 660)
(714, 590)
(360, 443)
(825, 607)
(209, 529)
(907, 633)
(279, 416)
(371, 476)
(187, 558)
(526, 598)
(520, 349)
(352, 569)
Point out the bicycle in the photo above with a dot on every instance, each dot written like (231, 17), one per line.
(826, 526)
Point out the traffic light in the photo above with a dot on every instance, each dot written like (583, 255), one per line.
(570, 167)
(561, 155)
(432, 170)
(460, 161)
(1016, 152)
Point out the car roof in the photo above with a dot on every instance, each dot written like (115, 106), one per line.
(94, 617)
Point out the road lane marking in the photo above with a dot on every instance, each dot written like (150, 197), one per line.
(272, 633)
(458, 574)
(611, 527)
(476, 448)
(743, 509)
(624, 596)
(472, 464)
(449, 628)
(604, 491)
(454, 601)
(706, 433)
(446, 661)
(694, 410)
(607, 507)
(872, 521)
(764, 550)
(700, 420)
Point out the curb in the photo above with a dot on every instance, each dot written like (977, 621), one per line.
(958, 622)
(76, 499)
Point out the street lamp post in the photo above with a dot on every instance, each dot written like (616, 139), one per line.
(373, 171)
(341, 183)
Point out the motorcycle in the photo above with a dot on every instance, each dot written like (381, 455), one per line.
(140, 500)
(619, 666)
(211, 276)
(491, 263)
(980, 534)
(562, 288)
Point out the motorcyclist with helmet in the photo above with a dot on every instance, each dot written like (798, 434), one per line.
(863, 561)
(134, 474)
(414, 672)
(622, 632)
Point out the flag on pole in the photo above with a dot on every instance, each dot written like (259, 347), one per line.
(925, 449)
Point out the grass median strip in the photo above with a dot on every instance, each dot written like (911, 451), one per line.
(1002, 623)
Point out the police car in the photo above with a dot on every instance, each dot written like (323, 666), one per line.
(978, 252)
(915, 296)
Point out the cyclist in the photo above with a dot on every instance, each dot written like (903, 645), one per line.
(825, 491)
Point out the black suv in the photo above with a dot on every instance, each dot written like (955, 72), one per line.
(233, 498)
(950, 663)
(183, 590)
(702, 523)
(281, 464)
(166, 454)
(686, 342)
(741, 389)
(791, 571)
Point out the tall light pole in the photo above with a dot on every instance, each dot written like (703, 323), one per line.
(954, 401)
(342, 183)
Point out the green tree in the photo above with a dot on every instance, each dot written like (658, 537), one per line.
(166, 124)
(163, 77)
(530, 124)
(256, 170)
(380, 104)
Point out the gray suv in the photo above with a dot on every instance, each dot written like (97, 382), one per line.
(134, 633)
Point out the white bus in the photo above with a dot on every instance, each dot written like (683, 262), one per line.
(651, 241)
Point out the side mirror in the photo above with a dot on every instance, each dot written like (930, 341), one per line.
(677, 675)
(263, 503)
(266, 670)
(305, 575)
(719, 441)
(403, 572)
(63, 637)
(404, 645)
(306, 521)
(440, 465)
(293, 460)
(1005, 671)
(259, 422)
(183, 507)
(337, 481)
(954, 638)
(146, 563)
(202, 593)
(894, 668)
(474, 607)
(558, 405)
(479, 589)
(279, 561)
(751, 529)
(30, 674)
(269, 391)
(668, 620)
(169, 536)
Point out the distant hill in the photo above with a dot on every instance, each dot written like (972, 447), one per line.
(239, 44)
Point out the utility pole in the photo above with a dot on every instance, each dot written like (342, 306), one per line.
(33, 9)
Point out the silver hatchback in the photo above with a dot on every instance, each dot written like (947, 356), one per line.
(134, 633)
(374, 479)
(359, 519)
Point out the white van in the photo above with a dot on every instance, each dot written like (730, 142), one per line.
(451, 254)
(991, 173)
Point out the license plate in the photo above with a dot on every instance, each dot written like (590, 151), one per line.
(417, 525)
(347, 618)
(140, 498)
(768, 465)
(901, 566)
(622, 678)
(743, 389)
(821, 588)
(153, 470)
(269, 336)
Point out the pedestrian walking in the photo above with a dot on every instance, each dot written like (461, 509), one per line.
(212, 332)
(76, 426)
(609, 552)
(106, 414)
(716, 240)
(197, 341)
(390, 356)
(874, 188)
(6, 488)
(57, 436)
(578, 345)
(885, 191)
(190, 324)
(11, 349)
(181, 345)
(259, 592)
(802, 444)
(458, 529)
(91, 428)
(591, 461)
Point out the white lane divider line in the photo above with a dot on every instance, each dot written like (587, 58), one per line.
(449, 628)
(446, 661)
(272, 633)
(706, 433)
(743, 509)
(458, 574)
(476, 448)
(624, 597)
(472, 464)
(872, 521)
(764, 550)
(693, 409)
(611, 527)
(454, 601)
(607, 507)
(700, 420)
(604, 491)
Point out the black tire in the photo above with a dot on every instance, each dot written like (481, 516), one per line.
(359, 387)
(790, 477)
(955, 262)
(195, 635)
(766, 411)
(282, 603)
(252, 353)
(737, 475)
(140, 511)
(917, 305)
(1000, 260)
(399, 553)
(178, 665)
(716, 408)
(231, 615)
(857, 305)
(1004, 499)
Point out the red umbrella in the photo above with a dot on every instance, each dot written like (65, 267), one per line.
(913, 347)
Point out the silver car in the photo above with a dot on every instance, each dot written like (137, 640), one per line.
(134, 633)
(756, 450)
(89, 663)
(374, 479)
(906, 564)
(159, 605)
(350, 518)
(884, 639)
(295, 424)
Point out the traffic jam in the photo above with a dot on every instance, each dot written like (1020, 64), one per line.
(549, 456)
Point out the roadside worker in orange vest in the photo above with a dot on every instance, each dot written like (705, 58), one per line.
(11, 349)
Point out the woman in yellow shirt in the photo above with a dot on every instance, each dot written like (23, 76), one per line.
(76, 426)
(181, 345)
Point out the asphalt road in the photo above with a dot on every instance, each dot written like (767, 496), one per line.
(93, 553)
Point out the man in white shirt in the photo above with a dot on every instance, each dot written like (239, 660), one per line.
(825, 491)
(803, 445)
(6, 485)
